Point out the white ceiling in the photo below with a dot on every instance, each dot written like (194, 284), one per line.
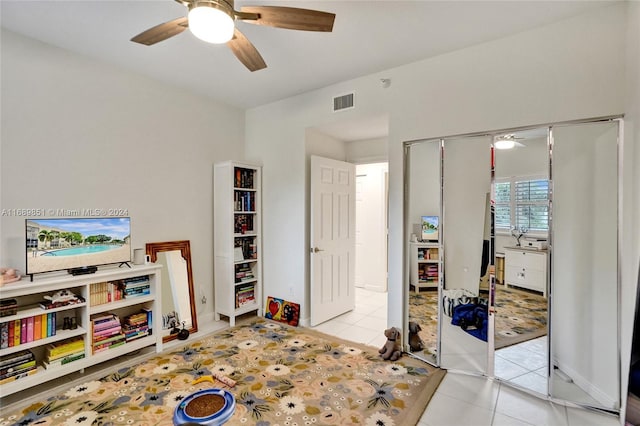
(368, 37)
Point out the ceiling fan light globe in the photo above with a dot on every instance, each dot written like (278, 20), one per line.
(504, 144)
(210, 24)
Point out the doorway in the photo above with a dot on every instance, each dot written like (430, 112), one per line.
(371, 226)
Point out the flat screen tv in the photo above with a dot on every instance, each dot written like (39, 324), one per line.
(429, 228)
(76, 244)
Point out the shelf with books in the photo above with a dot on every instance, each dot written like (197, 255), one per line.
(60, 335)
(237, 238)
(74, 321)
(425, 265)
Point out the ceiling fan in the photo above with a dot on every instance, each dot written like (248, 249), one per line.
(214, 21)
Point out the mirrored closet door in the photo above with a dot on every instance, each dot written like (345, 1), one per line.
(423, 186)
(520, 308)
(585, 346)
(465, 235)
(528, 236)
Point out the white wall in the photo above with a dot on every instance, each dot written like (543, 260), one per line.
(567, 70)
(78, 133)
(631, 190)
(424, 184)
(367, 151)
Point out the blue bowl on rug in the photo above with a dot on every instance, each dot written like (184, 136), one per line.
(209, 407)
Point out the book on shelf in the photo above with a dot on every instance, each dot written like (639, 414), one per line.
(107, 332)
(100, 318)
(135, 292)
(69, 358)
(243, 178)
(134, 330)
(16, 365)
(4, 335)
(108, 345)
(140, 317)
(141, 278)
(37, 327)
(19, 376)
(149, 313)
(105, 325)
(136, 284)
(133, 336)
(23, 365)
(8, 307)
(105, 292)
(23, 330)
(16, 357)
(64, 347)
(110, 339)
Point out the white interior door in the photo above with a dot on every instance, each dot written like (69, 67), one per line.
(332, 238)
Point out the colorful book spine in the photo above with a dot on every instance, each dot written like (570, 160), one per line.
(23, 331)
(44, 332)
(30, 331)
(63, 361)
(12, 334)
(18, 376)
(37, 327)
(4, 335)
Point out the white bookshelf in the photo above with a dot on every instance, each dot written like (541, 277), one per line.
(238, 257)
(29, 293)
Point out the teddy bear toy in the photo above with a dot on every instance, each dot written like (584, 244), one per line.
(415, 342)
(391, 349)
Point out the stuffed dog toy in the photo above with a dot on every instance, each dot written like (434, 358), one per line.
(391, 349)
(415, 342)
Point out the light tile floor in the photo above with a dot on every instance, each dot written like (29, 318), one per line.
(461, 399)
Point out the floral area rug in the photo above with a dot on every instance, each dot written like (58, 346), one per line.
(423, 310)
(284, 376)
(521, 315)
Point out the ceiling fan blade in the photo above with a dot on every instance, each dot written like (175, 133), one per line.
(290, 18)
(161, 32)
(246, 52)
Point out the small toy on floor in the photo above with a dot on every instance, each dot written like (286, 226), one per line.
(415, 342)
(391, 350)
(210, 378)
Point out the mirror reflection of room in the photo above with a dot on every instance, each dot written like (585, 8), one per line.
(423, 210)
(521, 230)
(466, 188)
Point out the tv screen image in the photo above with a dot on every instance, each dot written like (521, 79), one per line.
(429, 228)
(70, 243)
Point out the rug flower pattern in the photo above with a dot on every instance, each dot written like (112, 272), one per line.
(521, 315)
(284, 375)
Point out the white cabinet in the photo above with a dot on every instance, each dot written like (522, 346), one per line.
(526, 268)
(74, 320)
(237, 239)
(425, 265)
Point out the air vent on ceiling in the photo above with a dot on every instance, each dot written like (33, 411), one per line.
(343, 102)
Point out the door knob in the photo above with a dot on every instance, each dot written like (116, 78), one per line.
(315, 250)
